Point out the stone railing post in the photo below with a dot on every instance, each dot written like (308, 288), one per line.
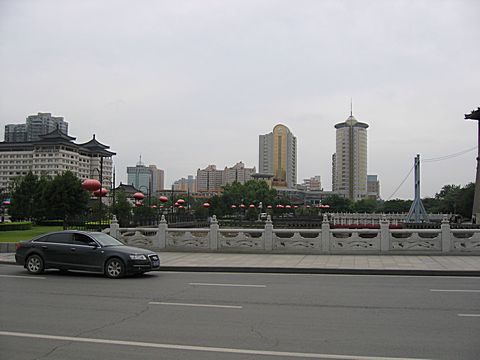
(213, 234)
(269, 234)
(325, 234)
(114, 228)
(161, 238)
(447, 238)
(384, 234)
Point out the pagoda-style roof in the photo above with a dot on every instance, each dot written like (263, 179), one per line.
(56, 135)
(94, 146)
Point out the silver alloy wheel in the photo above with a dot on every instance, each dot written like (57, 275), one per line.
(34, 264)
(114, 268)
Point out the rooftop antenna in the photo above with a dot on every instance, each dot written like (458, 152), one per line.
(417, 211)
(140, 161)
(351, 107)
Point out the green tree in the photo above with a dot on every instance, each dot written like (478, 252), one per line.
(122, 207)
(365, 206)
(396, 206)
(65, 196)
(338, 203)
(24, 194)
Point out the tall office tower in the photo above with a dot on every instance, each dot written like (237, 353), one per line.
(140, 177)
(237, 173)
(278, 156)
(42, 124)
(209, 179)
(349, 163)
(15, 133)
(158, 179)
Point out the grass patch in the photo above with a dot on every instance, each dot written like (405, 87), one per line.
(18, 235)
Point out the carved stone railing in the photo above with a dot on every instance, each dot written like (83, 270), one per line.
(303, 241)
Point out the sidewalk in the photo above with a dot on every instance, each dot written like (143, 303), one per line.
(323, 264)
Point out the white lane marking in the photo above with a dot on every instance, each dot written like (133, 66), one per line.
(197, 305)
(461, 291)
(232, 285)
(201, 348)
(23, 277)
(469, 315)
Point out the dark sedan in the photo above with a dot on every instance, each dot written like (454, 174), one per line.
(87, 251)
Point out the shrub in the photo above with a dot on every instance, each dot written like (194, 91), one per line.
(12, 226)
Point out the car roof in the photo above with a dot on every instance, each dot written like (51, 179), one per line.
(67, 232)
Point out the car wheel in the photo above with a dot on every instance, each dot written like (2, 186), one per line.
(35, 264)
(115, 268)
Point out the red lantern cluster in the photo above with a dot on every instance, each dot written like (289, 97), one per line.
(138, 196)
(100, 192)
(91, 185)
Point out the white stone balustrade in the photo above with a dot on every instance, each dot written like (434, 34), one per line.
(324, 240)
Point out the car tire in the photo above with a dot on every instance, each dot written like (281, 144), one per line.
(35, 264)
(114, 268)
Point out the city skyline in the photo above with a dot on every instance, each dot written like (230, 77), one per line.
(199, 86)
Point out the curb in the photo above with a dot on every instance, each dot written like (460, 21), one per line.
(326, 271)
(274, 270)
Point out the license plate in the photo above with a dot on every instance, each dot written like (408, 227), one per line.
(156, 263)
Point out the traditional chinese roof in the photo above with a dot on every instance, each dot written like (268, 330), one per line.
(96, 147)
(56, 135)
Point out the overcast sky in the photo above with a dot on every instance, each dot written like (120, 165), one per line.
(192, 83)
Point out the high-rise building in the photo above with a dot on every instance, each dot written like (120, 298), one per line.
(373, 187)
(278, 156)
(186, 185)
(237, 173)
(148, 179)
(158, 179)
(349, 163)
(53, 154)
(209, 179)
(34, 127)
(313, 184)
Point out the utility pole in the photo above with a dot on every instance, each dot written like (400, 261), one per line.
(475, 115)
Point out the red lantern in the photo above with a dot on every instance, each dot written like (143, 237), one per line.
(326, 206)
(138, 196)
(181, 207)
(288, 207)
(91, 184)
(177, 204)
(269, 206)
(242, 206)
(251, 206)
(163, 199)
(206, 205)
(100, 192)
(181, 201)
(233, 206)
(138, 203)
(153, 206)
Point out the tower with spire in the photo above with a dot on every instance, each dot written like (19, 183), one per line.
(349, 162)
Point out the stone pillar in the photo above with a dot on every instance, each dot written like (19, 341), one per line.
(213, 234)
(269, 234)
(161, 238)
(114, 228)
(384, 234)
(447, 237)
(325, 234)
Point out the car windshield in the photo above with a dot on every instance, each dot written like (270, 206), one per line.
(106, 240)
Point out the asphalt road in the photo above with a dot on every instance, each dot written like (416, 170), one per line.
(200, 316)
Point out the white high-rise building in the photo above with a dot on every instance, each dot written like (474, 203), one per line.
(349, 163)
(278, 156)
(209, 179)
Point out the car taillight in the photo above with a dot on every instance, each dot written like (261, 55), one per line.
(18, 245)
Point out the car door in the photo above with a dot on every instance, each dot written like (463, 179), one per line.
(55, 249)
(84, 255)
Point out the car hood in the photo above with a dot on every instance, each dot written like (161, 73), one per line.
(131, 250)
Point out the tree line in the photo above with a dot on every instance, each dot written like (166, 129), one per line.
(43, 198)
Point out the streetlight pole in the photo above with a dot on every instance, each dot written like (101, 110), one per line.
(475, 115)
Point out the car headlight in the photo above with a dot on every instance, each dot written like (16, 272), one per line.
(138, 257)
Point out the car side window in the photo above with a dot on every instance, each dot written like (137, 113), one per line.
(58, 238)
(81, 239)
